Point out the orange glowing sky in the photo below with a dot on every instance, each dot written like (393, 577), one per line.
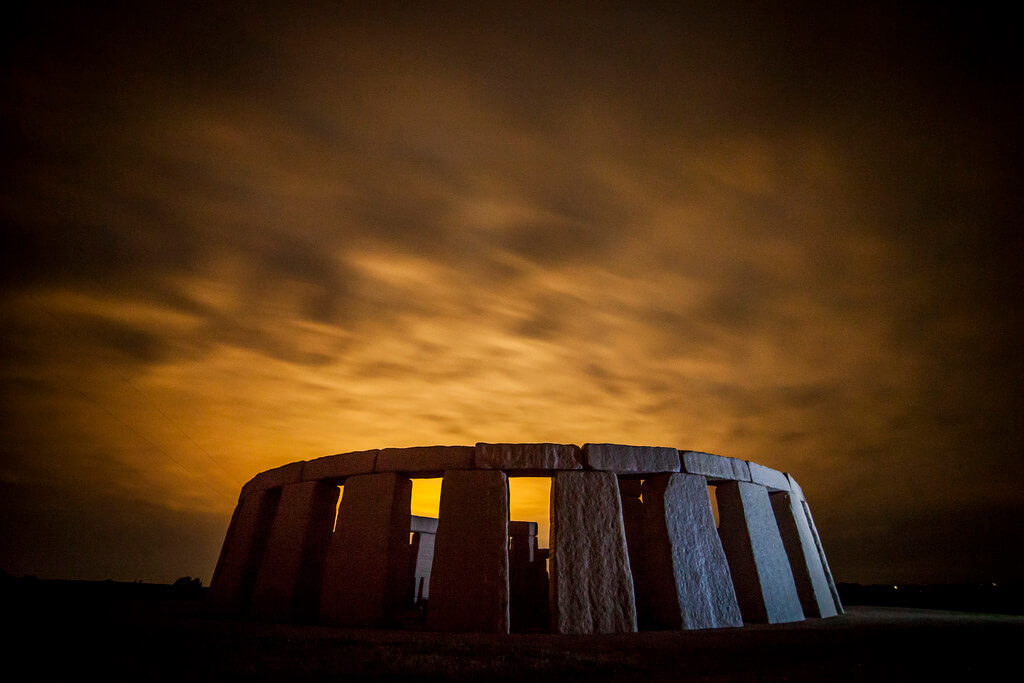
(240, 236)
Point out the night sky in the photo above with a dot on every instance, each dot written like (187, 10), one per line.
(232, 237)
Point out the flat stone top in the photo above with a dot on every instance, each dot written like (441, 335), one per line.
(611, 457)
(523, 459)
(714, 467)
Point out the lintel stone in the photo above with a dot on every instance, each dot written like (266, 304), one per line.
(274, 478)
(795, 487)
(528, 457)
(609, 457)
(766, 476)
(425, 460)
(714, 467)
(337, 467)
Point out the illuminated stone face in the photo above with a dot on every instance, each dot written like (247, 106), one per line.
(633, 543)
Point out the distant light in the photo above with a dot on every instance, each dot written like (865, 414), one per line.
(993, 585)
(895, 587)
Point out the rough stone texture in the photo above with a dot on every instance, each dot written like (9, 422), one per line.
(714, 467)
(426, 525)
(528, 458)
(808, 572)
(591, 584)
(366, 573)
(422, 549)
(231, 587)
(688, 576)
(824, 560)
(337, 467)
(425, 460)
(288, 583)
(630, 491)
(470, 576)
(757, 558)
(766, 476)
(609, 457)
(277, 477)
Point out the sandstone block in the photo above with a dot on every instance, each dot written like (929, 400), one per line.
(528, 458)
(609, 457)
(367, 568)
(689, 584)
(288, 583)
(766, 476)
(274, 478)
(470, 576)
(824, 560)
(425, 460)
(714, 467)
(239, 561)
(591, 583)
(808, 572)
(757, 558)
(335, 468)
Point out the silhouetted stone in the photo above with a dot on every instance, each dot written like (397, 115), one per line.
(591, 583)
(231, 587)
(808, 572)
(288, 583)
(757, 559)
(274, 478)
(335, 468)
(528, 458)
(714, 467)
(422, 549)
(766, 476)
(469, 579)
(425, 460)
(609, 457)
(630, 491)
(367, 564)
(688, 576)
(522, 528)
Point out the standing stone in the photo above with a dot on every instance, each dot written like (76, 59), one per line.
(591, 584)
(688, 576)
(368, 560)
(630, 491)
(824, 560)
(422, 549)
(288, 583)
(469, 578)
(233, 579)
(808, 572)
(757, 558)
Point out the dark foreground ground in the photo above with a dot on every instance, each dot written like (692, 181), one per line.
(163, 637)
